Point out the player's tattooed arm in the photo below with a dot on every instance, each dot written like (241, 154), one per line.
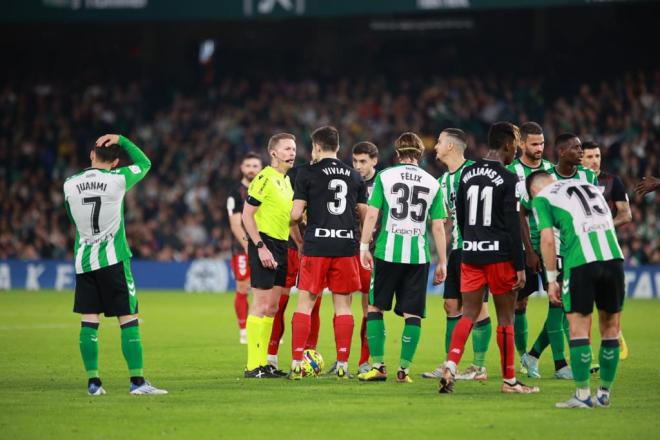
(623, 214)
(549, 254)
(531, 259)
(370, 219)
(298, 210)
(438, 231)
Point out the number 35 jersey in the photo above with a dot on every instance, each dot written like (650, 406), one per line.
(407, 197)
(332, 191)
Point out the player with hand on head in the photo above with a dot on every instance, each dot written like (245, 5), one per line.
(94, 200)
(250, 167)
(487, 215)
(450, 150)
(405, 197)
(333, 194)
(593, 273)
(615, 195)
(266, 220)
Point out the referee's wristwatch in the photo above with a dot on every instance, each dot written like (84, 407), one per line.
(259, 244)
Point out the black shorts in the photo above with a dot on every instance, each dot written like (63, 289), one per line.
(109, 290)
(264, 278)
(602, 282)
(532, 281)
(406, 282)
(453, 280)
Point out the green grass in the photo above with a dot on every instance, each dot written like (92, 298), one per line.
(191, 348)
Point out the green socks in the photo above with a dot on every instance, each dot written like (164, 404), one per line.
(131, 346)
(409, 340)
(520, 331)
(89, 347)
(541, 342)
(581, 361)
(608, 358)
(567, 329)
(481, 333)
(451, 323)
(555, 327)
(376, 337)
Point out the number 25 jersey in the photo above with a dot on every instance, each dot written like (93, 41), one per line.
(332, 191)
(407, 196)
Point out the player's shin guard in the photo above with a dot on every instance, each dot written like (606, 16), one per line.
(376, 336)
(481, 334)
(555, 326)
(505, 341)
(449, 331)
(344, 325)
(131, 347)
(278, 326)
(364, 344)
(241, 308)
(89, 347)
(300, 325)
(266, 331)
(409, 340)
(608, 358)
(315, 325)
(520, 331)
(581, 362)
(254, 325)
(459, 337)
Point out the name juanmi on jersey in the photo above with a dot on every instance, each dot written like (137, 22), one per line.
(91, 186)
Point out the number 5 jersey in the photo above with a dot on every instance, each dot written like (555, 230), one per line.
(407, 196)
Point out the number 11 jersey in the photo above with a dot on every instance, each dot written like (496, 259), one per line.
(332, 191)
(407, 196)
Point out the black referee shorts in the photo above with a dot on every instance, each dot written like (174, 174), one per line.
(405, 282)
(262, 277)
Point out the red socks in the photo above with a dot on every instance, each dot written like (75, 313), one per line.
(241, 307)
(505, 340)
(300, 325)
(459, 338)
(278, 326)
(364, 345)
(343, 334)
(313, 339)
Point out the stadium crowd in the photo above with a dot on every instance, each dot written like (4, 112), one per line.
(196, 139)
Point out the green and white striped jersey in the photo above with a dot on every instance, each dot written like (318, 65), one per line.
(407, 196)
(94, 200)
(449, 187)
(581, 173)
(580, 212)
(522, 171)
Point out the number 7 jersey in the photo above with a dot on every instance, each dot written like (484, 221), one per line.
(407, 197)
(94, 200)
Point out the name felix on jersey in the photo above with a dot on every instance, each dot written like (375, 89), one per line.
(411, 176)
(493, 175)
(87, 186)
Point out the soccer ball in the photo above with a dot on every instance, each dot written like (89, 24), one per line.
(312, 364)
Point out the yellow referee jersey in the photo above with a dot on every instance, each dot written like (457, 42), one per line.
(272, 192)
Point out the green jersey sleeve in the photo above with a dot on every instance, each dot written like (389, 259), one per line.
(377, 197)
(543, 212)
(438, 208)
(141, 163)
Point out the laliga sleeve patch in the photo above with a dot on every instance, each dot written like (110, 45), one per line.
(135, 169)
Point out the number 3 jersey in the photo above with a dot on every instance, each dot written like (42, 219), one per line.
(487, 214)
(332, 191)
(580, 212)
(407, 196)
(94, 200)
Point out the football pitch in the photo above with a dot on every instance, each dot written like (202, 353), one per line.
(191, 349)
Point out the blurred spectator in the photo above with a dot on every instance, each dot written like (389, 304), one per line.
(194, 142)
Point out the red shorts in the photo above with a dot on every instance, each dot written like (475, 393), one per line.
(365, 277)
(240, 267)
(339, 274)
(292, 268)
(500, 277)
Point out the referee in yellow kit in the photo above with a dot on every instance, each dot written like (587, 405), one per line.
(266, 218)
